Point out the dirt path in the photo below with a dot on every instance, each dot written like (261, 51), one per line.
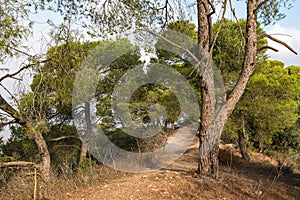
(237, 180)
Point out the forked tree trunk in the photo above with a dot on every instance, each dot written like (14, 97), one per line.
(212, 126)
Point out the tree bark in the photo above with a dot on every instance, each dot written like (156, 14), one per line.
(243, 141)
(45, 160)
(88, 132)
(208, 156)
(212, 126)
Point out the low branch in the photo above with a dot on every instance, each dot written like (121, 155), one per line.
(267, 47)
(63, 138)
(278, 41)
(18, 164)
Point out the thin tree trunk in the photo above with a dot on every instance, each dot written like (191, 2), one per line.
(172, 125)
(88, 132)
(243, 141)
(83, 152)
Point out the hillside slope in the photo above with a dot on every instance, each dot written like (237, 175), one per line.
(237, 180)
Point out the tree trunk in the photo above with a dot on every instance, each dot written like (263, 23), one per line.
(172, 125)
(45, 160)
(88, 132)
(212, 126)
(208, 156)
(83, 151)
(243, 141)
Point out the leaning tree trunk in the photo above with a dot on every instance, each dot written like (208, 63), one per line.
(45, 160)
(212, 126)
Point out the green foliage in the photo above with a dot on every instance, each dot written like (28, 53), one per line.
(271, 11)
(270, 107)
(87, 164)
(20, 146)
(12, 25)
(64, 153)
(229, 49)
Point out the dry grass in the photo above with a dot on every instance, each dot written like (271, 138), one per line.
(237, 180)
(19, 184)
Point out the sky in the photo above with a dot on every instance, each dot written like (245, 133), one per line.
(289, 26)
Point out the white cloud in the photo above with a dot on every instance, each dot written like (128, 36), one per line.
(289, 35)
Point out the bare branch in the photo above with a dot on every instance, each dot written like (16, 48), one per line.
(64, 137)
(219, 29)
(213, 9)
(281, 34)
(172, 43)
(21, 69)
(260, 5)
(267, 47)
(6, 107)
(12, 96)
(22, 52)
(278, 41)
(3, 124)
(18, 164)
(237, 20)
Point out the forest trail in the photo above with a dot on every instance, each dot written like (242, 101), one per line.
(237, 180)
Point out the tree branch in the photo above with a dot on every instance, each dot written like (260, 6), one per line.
(6, 107)
(278, 41)
(213, 9)
(7, 123)
(63, 138)
(267, 47)
(219, 29)
(12, 96)
(18, 164)
(173, 43)
(260, 5)
(21, 69)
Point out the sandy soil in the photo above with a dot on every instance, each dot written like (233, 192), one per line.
(237, 180)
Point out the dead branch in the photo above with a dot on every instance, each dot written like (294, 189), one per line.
(64, 137)
(219, 29)
(260, 5)
(12, 96)
(213, 9)
(21, 69)
(18, 164)
(237, 20)
(278, 41)
(172, 43)
(267, 47)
